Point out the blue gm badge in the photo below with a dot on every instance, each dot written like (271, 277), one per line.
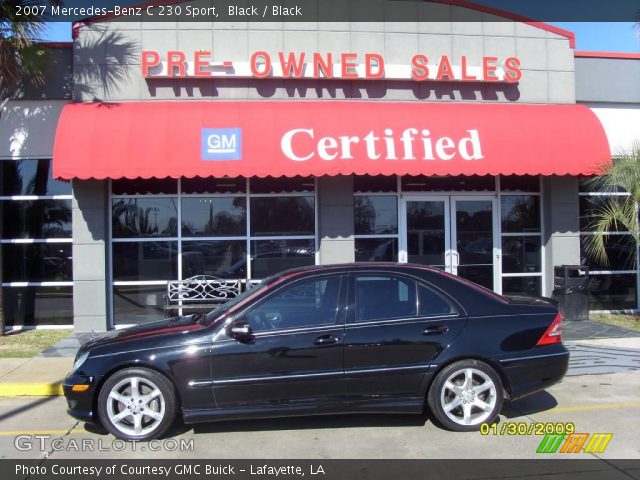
(221, 144)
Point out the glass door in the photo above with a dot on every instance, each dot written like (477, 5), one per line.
(474, 240)
(458, 234)
(426, 238)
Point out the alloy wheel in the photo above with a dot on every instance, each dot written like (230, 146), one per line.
(468, 397)
(136, 406)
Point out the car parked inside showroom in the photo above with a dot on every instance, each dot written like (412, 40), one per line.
(351, 338)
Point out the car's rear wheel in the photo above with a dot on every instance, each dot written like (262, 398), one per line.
(465, 395)
(137, 404)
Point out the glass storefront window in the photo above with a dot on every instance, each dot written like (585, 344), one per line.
(588, 185)
(519, 183)
(142, 261)
(35, 218)
(30, 177)
(141, 186)
(521, 254)
(36, 262)
(200, 228)
(531, 286)
(521, 239)
(36, 247)
(612, 286)
(32, 306)
(375, 183)
(376, 215)
(376, 249)
(282, 216)
(134, 304)
(520, 213)
(612, 291)
(269, 257)
(213, 185)
(620, 253)
(375, 218)
(282, 185)
(424, 183)
(144, 217)
(218, 258)
(213, 216)
(590, 204)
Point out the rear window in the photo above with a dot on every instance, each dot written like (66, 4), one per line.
(431, 303)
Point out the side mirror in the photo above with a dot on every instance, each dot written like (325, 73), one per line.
(241, 331)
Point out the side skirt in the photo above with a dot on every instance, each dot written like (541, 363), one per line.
(386, 406)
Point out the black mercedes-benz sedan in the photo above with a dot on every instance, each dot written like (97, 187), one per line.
(356, 338)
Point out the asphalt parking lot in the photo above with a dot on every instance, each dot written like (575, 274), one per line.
(607, 403)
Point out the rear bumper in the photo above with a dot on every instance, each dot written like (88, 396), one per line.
(536, 370)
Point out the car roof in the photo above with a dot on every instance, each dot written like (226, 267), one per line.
(392, 266)
(435, 273)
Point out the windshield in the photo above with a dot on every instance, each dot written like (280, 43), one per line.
(210, 317)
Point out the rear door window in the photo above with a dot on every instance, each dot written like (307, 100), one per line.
(384, 297)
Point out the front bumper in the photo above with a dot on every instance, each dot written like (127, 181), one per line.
(536, 370)
(81, 404)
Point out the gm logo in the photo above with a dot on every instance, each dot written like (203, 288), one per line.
(221, 144)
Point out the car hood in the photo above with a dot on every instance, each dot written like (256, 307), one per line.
(147, 330)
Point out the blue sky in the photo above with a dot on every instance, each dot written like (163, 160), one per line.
(602, 36)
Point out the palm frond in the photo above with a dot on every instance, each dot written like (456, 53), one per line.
(616, 213)
(20, 57)
(623, 174)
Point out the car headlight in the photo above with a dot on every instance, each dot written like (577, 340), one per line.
(80, 360)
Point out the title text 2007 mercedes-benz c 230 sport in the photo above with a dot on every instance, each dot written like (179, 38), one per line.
(356, 338)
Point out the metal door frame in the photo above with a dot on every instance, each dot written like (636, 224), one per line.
(451, 253)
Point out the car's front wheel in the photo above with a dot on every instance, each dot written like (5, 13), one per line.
(137, 404)
(465, 395)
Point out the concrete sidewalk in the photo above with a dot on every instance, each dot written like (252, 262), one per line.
(33, 376)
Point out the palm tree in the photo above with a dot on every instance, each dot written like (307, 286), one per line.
(21, 59)
(616, 213)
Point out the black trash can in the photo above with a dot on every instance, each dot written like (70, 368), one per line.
(571, 290)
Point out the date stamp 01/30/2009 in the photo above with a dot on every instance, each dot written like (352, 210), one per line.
(557, 437)
(525, 428)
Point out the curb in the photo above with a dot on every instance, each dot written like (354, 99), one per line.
(31, 389)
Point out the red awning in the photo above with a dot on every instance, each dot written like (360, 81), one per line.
(288, 138)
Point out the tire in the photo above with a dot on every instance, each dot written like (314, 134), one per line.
(142, 416)
(450, 393)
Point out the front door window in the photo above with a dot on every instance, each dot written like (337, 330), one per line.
(308, 303)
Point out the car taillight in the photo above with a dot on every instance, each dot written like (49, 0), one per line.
(553, 333)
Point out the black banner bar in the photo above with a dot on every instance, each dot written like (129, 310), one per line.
(336, 10)
(549, 469)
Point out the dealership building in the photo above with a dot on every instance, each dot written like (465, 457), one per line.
(157, 151)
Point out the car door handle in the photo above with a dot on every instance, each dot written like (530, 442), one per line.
(326, 340)
(435, 330)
